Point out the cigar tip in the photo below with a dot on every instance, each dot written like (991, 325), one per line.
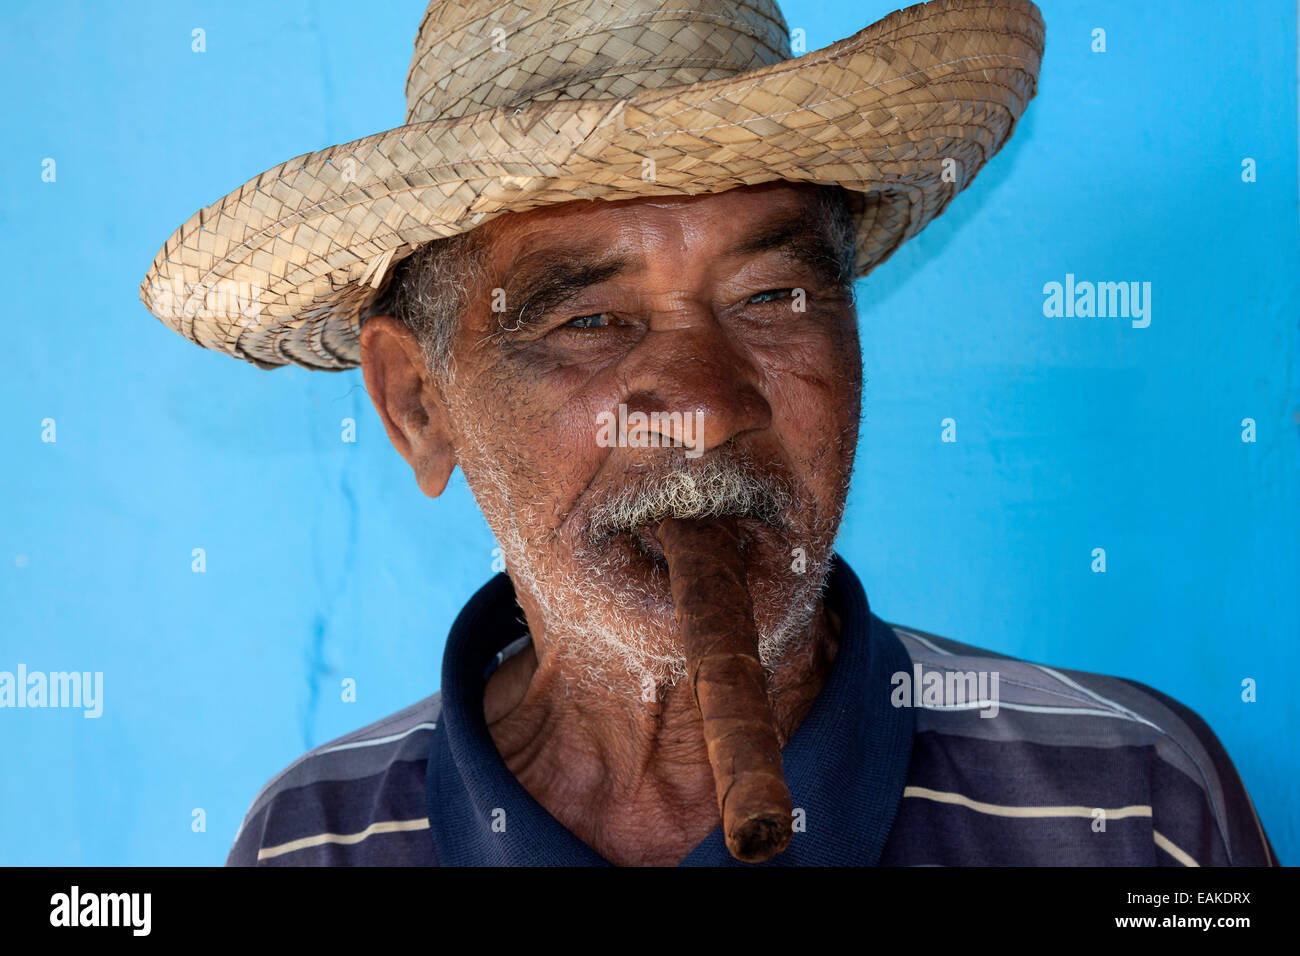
(758, 839)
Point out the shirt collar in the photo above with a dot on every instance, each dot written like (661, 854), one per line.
(845, 764)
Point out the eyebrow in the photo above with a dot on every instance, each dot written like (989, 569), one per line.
(561, 276)
(558, 278)
(797, 241)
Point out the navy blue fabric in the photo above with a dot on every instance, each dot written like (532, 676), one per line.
(425, 786)
(846, 763)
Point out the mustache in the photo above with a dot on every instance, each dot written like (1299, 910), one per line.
(723, 484)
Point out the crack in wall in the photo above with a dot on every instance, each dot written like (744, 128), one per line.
(318, 667)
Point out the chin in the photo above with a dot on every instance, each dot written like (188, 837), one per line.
(622, 621)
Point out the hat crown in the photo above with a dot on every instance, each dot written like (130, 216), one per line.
(471, 56)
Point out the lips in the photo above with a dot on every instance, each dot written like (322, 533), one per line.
(648, 541)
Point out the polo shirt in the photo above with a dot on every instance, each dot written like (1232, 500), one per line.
(894, 764)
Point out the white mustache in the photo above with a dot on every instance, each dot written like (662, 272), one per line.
(718, 487)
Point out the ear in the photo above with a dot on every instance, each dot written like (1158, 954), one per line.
(407, 399)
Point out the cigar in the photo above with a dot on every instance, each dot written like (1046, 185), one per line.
(715, 619)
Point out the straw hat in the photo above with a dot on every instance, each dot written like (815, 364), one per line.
(513, 104)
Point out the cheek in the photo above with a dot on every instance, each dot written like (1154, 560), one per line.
(814, 387)
(542, 430)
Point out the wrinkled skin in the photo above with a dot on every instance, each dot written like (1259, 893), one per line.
(611, 745)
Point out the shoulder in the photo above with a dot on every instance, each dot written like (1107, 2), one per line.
(1072, 737)
(356, 799)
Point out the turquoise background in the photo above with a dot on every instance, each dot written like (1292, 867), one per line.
(324, 560)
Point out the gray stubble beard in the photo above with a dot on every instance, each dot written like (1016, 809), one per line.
(605, 630)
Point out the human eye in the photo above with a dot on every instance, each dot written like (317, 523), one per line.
(594, 321)
(769, 295)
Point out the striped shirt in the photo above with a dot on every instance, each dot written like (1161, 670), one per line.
(918, 751)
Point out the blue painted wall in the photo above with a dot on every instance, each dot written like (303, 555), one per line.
(324, 561)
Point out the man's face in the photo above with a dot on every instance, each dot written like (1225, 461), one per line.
(718, 317)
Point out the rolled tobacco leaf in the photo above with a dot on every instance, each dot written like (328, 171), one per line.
(715, 618)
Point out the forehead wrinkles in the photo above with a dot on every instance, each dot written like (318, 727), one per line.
(644, 227)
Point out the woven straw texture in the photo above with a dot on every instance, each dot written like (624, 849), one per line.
(516, 105)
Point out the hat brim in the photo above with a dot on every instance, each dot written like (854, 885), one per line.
(282, 270)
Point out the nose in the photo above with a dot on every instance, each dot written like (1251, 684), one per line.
(693, 386)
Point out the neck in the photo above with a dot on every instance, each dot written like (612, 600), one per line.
(630, 778)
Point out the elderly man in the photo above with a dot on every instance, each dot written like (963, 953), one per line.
(602, 351)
